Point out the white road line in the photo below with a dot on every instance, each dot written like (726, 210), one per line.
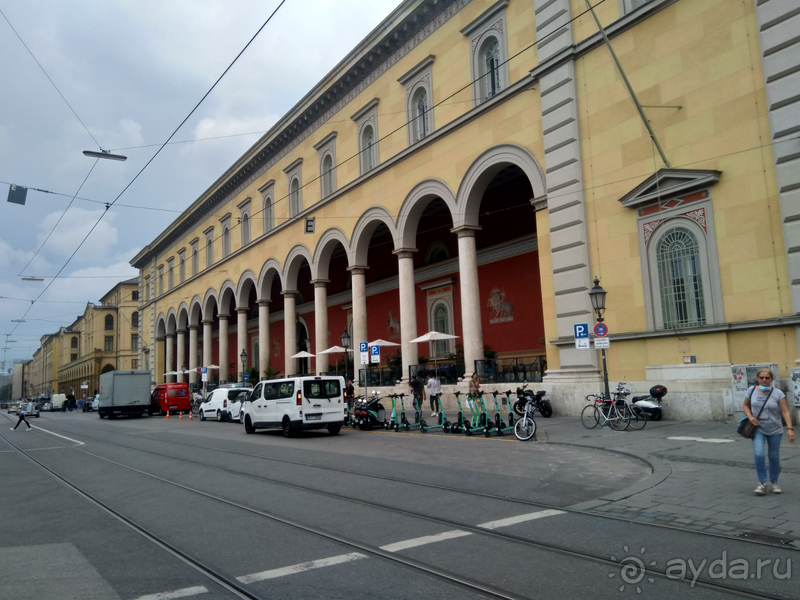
(520, 519)
(184, 593)
(314, 564)
(699, 439)
(428, 539)
(58, 434)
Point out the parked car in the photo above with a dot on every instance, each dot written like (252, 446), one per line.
(13, 408)
(89, 404)
(224, 403)
(170, 397)
(30, 408)
(47, 407)
(96, 403)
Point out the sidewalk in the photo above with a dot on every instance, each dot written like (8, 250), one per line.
(704, 483)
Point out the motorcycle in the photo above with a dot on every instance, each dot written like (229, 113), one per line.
(539, 399)
(651, 405)
(369, 412)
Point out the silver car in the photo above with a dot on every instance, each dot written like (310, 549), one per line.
(31, 409)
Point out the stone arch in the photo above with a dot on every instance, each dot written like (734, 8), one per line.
(195, 311)
(481, 172)
(325, 247)
(414, 205)
(226, 292)
(183, 316)
(292, 265)
(210, 301)
(172, 321)
(362, 233)
(246, 282)
(269, 271)
(161, 326)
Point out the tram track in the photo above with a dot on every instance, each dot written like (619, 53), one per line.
(376, 551)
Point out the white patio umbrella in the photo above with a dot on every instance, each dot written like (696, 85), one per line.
(334, 350)
(171, 373)
(433, 336)
(302, 354)
(380, 342)
(211, 367)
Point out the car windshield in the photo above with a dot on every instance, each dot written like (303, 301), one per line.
(319, 389)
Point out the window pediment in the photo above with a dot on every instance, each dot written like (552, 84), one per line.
(669, 183)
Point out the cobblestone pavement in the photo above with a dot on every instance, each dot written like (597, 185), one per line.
(703, 478)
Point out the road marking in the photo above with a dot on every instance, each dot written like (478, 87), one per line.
(428, 539)
(520, 519)
(699, 439)
(59, 435)
(307, 566)
(183, 593)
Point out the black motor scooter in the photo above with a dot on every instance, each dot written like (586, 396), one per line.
(539, 399)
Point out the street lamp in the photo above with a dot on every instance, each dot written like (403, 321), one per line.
(598, 297)
(104, 154)
(243, 356)
(345, 345)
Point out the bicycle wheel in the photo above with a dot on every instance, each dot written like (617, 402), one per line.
(589, 416)
(637, 417)
(618, 420)
(525, 429)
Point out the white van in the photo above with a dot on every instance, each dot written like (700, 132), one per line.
(295, 404)
(57, 401)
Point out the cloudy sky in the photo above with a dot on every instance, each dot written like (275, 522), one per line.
(132, 70)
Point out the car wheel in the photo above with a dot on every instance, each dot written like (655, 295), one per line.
(334, 429)
(286, 425)
(202, 416)
(248, 425)
(220, 416)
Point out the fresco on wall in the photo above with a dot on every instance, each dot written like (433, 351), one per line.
(393, 327)
(502, 310)
(276, 347)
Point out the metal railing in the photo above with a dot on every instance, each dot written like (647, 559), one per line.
(448, 373)
(513, 369)
(379, 376)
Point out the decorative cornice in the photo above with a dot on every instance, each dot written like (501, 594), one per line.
(320, 145)
(669, 183)
(485, 17)
(359, 114)
(293, 165)
(416, 69)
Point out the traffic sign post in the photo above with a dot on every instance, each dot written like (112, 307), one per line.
(601, 343)
(601, 330)
(245, 377)
(581, 336)
(375, 354)
(363, 351)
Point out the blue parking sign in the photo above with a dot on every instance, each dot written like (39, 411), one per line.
(362, 347)
(375, 350)
(581, 330)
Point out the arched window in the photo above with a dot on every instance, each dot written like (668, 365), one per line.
(267, 214)
(327, 176)
(74, 343)
(245, 229)
(490, 68)
(195, 262)
(420, 114)
(680, 279)
(368, 148)
(135, 320)
(109, 323)
(437, 253)
(226, 241)
(209, 251)
(294, 198)
(441, 321)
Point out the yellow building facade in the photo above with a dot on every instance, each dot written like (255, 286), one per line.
(472, 166)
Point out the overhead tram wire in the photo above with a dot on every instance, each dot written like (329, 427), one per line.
(147, 164)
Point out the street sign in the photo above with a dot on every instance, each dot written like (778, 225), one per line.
(245, 377)
(200, 369)
(601, 343)
(600, 330)
(204, 377)
(364, 351)
(84, 386)
(582, 344)
(375, 354)
(581, 330)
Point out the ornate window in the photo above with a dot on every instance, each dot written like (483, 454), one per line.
(74, 342)
(182, 266)
(294, 174)
(209, 234)
(626, 6)
(488, 58)
(109, 344)
(437, 253)
(419, 115)
(226, 241)
(439, 297)
(441, 322)
(294, 198)
(109, 323)
(327, 164)
(244, 221)
(680, 280)
(134, 321)
(367, 125)
(195, 257)
(170, 275)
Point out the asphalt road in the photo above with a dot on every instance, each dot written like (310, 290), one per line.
(151, 509)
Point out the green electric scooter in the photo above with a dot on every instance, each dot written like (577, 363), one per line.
(479, 419)
(416, 401)
(500, 426)
(460, 423)
(442, 424)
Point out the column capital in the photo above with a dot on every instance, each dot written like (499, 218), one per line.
(405, 252)
(242, 310)
(169, 336)
(290, 293)
(320, 282)
(182, 331)
(358, 269)
(224, 317)
(193, 327)
(160, 339)
(466, 230)
(539, 203)
(208, 322)
(264, 302)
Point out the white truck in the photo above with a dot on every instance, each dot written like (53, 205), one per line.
(124, 393)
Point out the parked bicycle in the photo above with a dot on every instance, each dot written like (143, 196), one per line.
(525, 427)
(615, 412)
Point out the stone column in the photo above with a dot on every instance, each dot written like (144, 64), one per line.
(289, 332)
(241, 338)
(470, 298)
(408, 309)
(321, 324)
(208, 350)
(181, 354)
(193, 378)
(158, 363)
(263, 337)
(358, 274)
(169, 344)
(223, 348)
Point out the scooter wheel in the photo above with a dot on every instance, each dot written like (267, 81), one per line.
(467, 431)
(407, 427)
(446, 426)
(499, 432)
(487, 432)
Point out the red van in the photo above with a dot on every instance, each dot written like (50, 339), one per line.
(170, 397)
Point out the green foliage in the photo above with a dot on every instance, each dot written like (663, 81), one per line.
(270, 373)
